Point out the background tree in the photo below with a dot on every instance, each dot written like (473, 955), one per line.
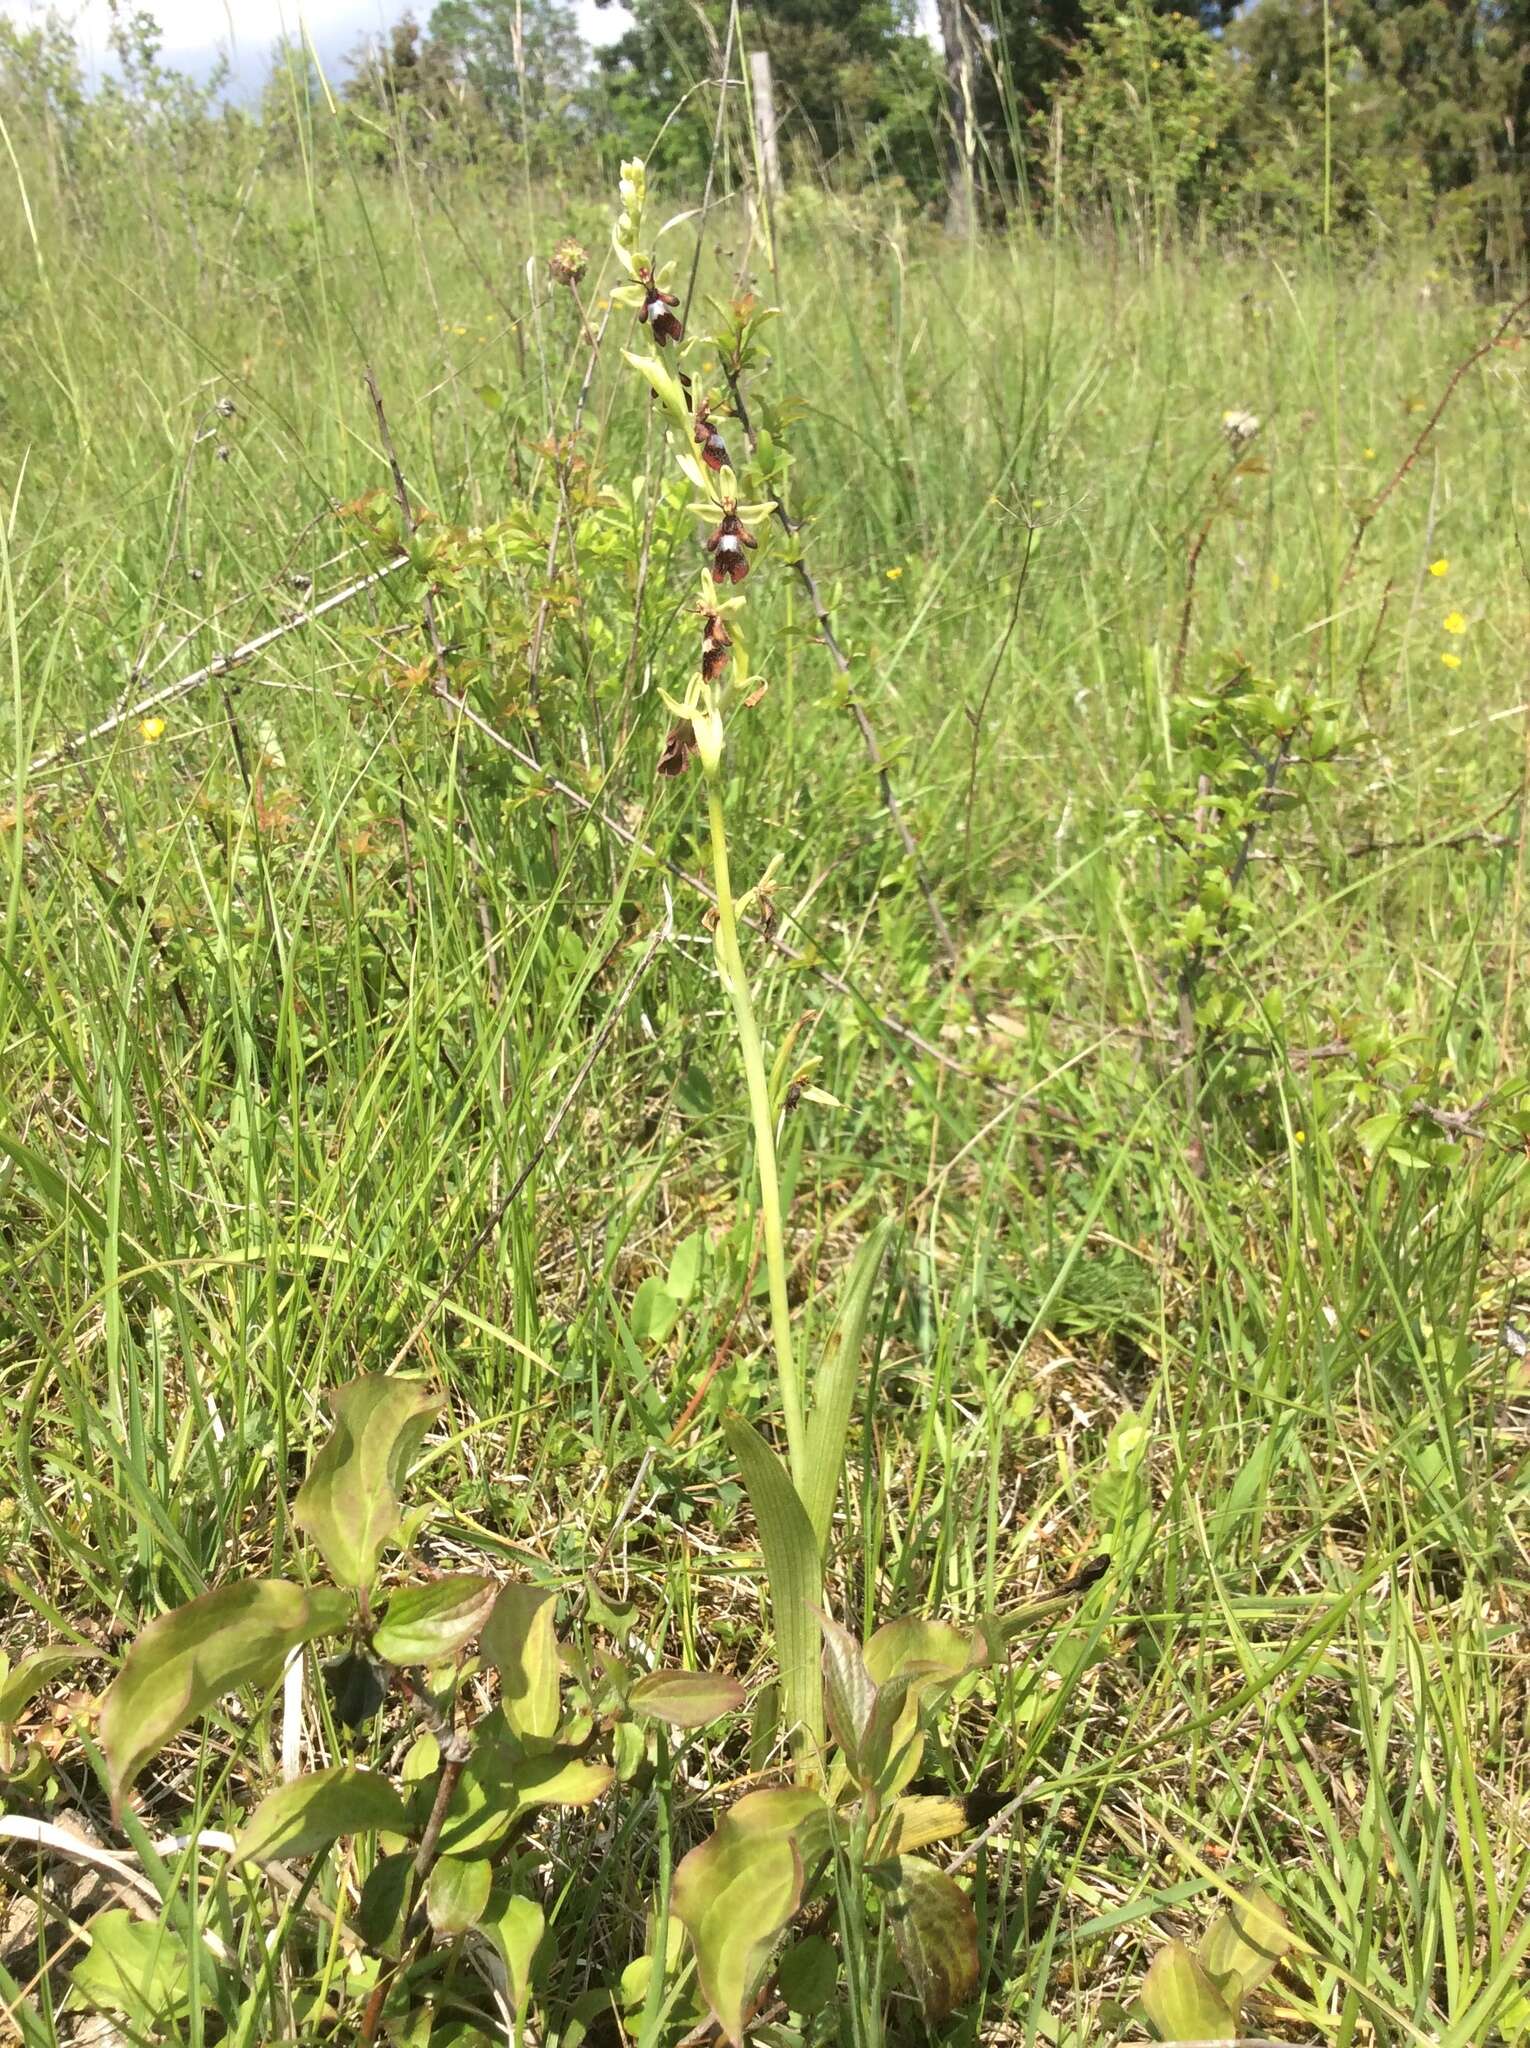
(525, 59)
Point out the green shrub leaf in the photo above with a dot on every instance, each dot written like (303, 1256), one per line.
(519, 1641)
(457, 1893)
(303, 1817)
(737, 1890)
(183, 1662)
(350, 1502)
(514, 1927)
(686, 1699)
(429, 1624)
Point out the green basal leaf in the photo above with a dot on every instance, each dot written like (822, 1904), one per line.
(184, 1662)
(736, 1892)
(20, 1687)
(519, 1641)
(1243, 1945)
(838, 1374)
(134, 1967)
(350, 1502)
(1182, 2001)
(305, 1816)
(792, 1568)
(686, 1699)
(457, 1894)
(430, 1624)
(935, 1927)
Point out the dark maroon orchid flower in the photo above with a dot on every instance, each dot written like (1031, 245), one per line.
(656, 311)
(726, 547)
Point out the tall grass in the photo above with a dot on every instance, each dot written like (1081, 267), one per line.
(289, 995)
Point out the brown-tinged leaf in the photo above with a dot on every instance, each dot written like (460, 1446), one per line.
(350, 1502)
(735, 1893)
(935, 1928)
(429, 1624)
(917, 1820)
(686, 1699)
(186, 1660)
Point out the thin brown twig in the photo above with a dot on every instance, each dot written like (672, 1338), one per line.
(220, 665)
(1362, 525)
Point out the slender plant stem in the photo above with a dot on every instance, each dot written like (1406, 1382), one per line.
(732, 962)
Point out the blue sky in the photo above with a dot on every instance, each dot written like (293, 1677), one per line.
(196, 31)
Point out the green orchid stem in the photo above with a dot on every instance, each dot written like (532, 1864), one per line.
(732, 963)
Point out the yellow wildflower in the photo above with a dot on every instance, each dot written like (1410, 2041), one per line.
(892, 575)
(1455, 622)
(1439, 568)
(1451, 660)
(1369, 454)
(152, 729)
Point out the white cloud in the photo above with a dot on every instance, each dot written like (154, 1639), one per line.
(196, 32)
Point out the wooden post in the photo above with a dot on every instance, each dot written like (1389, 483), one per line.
(762, 86)
(961, 117)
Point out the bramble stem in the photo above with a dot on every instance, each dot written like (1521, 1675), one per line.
(732, 964)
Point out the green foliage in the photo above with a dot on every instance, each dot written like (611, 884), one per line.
(307, 1814)
(237, 1636)
(1147, 114)
(1199, 1997)
(350, 1502)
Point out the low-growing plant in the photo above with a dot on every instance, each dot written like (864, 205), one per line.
(438, 1839)
(1198, 1995)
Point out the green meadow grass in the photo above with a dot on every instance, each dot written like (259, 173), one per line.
(290, 993)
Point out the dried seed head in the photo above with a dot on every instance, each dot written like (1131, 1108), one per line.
(568, 262)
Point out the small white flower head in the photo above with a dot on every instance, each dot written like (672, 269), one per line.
(1240, 425)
